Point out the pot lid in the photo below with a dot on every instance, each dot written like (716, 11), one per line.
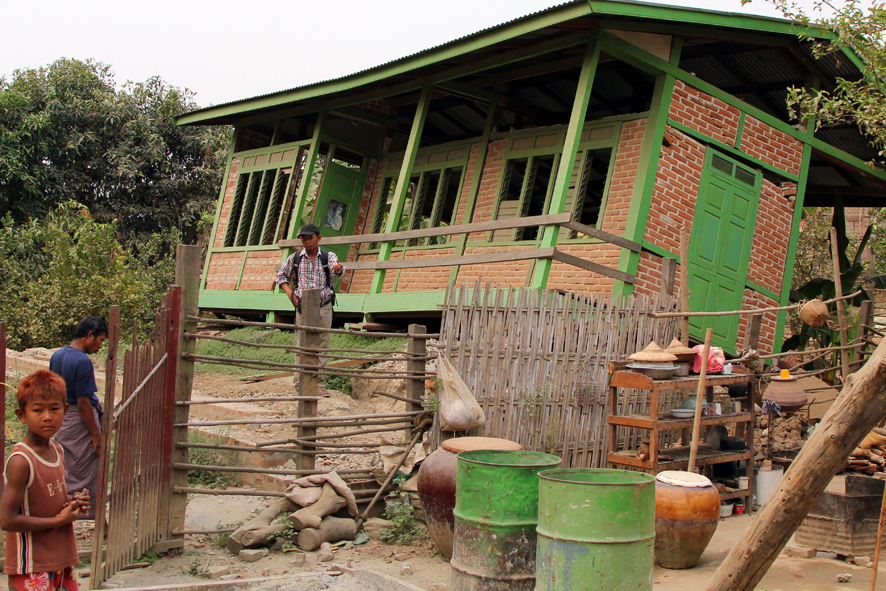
(678, 348)
(683, 479)
(460, 444)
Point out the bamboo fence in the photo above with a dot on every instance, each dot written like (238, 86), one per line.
(538, 363)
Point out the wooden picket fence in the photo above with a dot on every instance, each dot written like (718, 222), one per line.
(538, 363)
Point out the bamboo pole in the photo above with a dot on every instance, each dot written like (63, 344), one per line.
(684, 283)
(696, 423)
(739, 312)
(838, 283)
(858, 409)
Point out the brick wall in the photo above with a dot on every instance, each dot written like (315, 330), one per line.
(487, 195)
(466, 185)
(771, 145)
(704, 113)
(224, 270)
(226, 204)
(567, 277)
(510, 274)
(753, 299)
(676, 190)
(260, 270)
(770, 246)
(624, 174)
(428, 278)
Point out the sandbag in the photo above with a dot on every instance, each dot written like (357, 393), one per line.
(459, 410)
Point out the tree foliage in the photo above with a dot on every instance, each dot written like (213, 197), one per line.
(67, 266)
(67, 133)
(861, 102)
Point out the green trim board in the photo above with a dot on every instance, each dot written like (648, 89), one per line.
(557, 200)
(421, 113)
(739, 134)
(647, 169)
(762, 290)
(732, 151)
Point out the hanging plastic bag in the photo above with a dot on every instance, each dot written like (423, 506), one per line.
(458, 409)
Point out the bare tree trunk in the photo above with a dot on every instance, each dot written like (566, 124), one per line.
(858, 409)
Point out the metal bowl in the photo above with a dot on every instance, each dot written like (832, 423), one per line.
(656, 373)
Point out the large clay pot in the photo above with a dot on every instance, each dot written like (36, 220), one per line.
(687, 510)
(436, 484)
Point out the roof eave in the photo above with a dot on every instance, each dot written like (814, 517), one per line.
(515, 28)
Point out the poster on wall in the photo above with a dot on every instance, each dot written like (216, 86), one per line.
(335, 215)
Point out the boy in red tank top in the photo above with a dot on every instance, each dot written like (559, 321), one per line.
(35, 511)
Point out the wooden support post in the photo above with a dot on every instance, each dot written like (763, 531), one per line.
(668, 276)
(684, 283)
(754, 331)
(307, 384)
(857, 410)
(879, 541)
(841, 317)
(105, 460)
(187, 276)
(173, 331)
(560, 192)
(699, 401)
(412, 144)
(417, 347)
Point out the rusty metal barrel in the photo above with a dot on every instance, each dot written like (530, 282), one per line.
(596, 530)
(496, 511)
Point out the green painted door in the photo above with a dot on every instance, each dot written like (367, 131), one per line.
(720, 247)
(338, 203)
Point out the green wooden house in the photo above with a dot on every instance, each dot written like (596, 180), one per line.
(562, 150)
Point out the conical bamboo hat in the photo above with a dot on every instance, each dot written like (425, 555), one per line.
(678, 348)
(652, 353)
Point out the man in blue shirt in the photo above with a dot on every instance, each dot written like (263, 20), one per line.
(81, 435)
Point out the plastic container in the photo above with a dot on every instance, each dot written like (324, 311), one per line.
(766, 482)
(725, 510)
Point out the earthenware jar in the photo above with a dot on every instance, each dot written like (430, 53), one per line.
(687, 510)
(436, 484)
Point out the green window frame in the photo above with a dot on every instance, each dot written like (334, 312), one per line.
(530, 170)
(262, 196)
(432, 197)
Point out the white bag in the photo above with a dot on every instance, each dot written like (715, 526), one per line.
(458, 409)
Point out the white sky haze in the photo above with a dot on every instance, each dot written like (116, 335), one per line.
(225, 50)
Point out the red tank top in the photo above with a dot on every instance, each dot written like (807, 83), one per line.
(48, 550)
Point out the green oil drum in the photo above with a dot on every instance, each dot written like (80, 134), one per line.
(596, 530)
(496, 511)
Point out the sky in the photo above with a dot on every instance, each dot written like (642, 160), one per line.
(225, 50)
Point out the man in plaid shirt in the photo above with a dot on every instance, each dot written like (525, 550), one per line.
(311, 275)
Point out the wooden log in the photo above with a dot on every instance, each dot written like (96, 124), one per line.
(258, 530)
(740, 312)
(332, 529)
(311, 516)
(856, 411)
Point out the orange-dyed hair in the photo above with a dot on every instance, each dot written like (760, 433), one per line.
(41, 383)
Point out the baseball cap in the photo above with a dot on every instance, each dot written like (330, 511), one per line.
(307, 230)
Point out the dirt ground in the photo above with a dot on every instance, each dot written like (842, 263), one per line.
(429, 571)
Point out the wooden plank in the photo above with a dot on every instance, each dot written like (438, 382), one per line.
(309, 316)
(473, 259)
(504, 224)
(625, 379)
(605, 236)
(591, 266)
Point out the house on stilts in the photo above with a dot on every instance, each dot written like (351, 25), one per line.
(564, 150)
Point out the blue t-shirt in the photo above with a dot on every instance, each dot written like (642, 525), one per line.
(75, 368)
